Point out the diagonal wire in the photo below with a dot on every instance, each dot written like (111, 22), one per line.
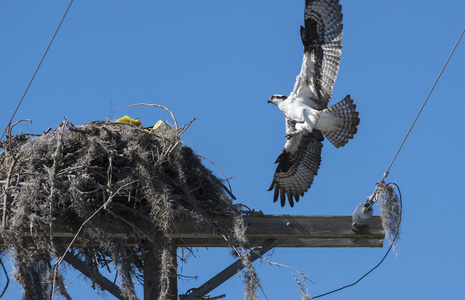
(387, 173)
(38, 67)
(424, 103)
(379, 263)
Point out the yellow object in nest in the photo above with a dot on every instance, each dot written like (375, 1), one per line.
(158, 124)
(129, 120)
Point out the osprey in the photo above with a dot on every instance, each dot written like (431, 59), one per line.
(308, 118)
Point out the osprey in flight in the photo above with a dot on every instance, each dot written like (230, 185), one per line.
(308, 118)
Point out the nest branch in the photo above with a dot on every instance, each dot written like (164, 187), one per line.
(133, 180)
(160, 106)
(60, 260)
(221, 171)
(9, 146)
(303, 286)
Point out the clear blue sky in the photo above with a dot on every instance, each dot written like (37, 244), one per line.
(219, 61)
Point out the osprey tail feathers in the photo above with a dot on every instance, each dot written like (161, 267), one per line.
(338, 123)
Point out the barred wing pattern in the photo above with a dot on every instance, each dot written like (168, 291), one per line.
(296, 169)
(300, 160)
(322, 41)
(348, 121)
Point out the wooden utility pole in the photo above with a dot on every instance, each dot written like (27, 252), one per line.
(269, 231)
(152, 268)
(263, 232)
(297, 230)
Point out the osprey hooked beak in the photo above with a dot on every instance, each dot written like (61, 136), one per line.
(275, 99)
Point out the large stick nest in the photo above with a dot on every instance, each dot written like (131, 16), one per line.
(139, 183)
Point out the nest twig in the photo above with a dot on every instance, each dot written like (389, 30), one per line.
(122, 172)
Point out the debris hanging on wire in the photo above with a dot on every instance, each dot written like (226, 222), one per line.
(391, 210)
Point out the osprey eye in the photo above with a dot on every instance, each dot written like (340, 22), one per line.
(280, 97)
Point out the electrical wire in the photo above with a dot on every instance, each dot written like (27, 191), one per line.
(381, 261)
(424, 103)
(385, 174)
(388, 169)
(38, 67)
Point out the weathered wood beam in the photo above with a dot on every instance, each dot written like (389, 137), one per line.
(84, 269)
(151, 276)
(230, 271)
(288, 243)
(298, 230)
(287, 226)
(152, 269)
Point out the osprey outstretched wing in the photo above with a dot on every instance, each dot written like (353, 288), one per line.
(308, 117)
(296, 169)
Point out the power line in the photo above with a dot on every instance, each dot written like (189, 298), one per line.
(38, 67)
(387, 173)
(380, 262)
(424, 103)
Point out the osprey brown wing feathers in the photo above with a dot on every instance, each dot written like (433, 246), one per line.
(296, 170)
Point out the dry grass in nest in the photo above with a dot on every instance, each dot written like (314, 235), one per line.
(137, 182)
